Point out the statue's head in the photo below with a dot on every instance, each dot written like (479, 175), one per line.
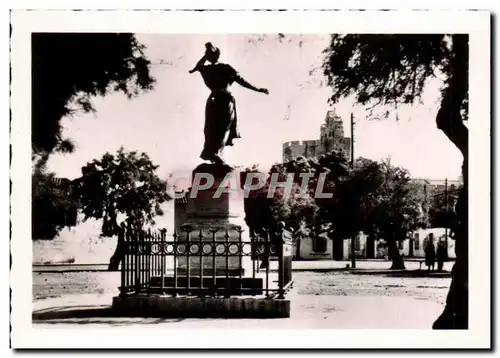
(212, 53)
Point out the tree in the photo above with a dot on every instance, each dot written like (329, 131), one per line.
(351, 208)
(324, 174)
(124, 184)
(264, 212)
(70, 69)
(378, 199)
(300, 210)
(53, 205)
(396, 209)
(295, 208)
(394, 69)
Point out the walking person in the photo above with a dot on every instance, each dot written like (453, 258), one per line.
(430, 252)
(441, 255)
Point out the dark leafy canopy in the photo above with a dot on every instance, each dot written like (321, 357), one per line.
(386, 69)
(264, 210)
(300, 210)
(351, 209)
(398, 208)
(376, 198)
(124, 184)
(373, 197)
(325, 173)
(69, 69)
(53, 206)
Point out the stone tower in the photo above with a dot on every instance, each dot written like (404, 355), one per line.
(331, 138)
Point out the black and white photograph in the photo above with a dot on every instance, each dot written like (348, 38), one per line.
(257, 173)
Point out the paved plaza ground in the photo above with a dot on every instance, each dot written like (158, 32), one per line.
(320, 299)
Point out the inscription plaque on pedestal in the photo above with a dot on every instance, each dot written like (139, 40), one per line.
(214, 218)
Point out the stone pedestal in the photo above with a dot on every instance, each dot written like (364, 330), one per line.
(209, 217)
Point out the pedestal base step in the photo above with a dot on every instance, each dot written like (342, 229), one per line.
(144, 305)
(206, 285)
(219, 271)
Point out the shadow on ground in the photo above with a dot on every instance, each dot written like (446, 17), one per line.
(105, 314)
(91, 314)
(401, 273)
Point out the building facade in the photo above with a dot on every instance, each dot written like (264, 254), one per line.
(331, 138)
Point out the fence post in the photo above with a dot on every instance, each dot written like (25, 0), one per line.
(188, 258)
(226, 236)
(253, 254)
(121, 239)
(146, 249)
(162, 258)
(175, 248)
(214, 273)
(137, 261)
(128, 258)
(267, 256)
(281, 263)
(240, 255)
(200, 250)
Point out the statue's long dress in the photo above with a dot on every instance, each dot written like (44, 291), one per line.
(220, 111)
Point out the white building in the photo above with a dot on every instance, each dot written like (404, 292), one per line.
(322, 248)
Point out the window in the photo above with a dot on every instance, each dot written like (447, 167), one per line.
(319, 244)
(417, 241)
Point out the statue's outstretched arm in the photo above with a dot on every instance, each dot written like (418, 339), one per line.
(199, 64)
(241, 81)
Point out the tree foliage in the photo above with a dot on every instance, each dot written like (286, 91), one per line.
(386, 69)
(124, 184)
(264, 210)
(70, 69)
(352, 206)
(376, 198)
(300, 208)
(397, 208)
(53, 205)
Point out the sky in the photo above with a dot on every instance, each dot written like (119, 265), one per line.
(167, 123)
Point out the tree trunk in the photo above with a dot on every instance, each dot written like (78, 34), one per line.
(353, 251)
(119, 254)
(449, 120)
(397, 260)
(456, 312)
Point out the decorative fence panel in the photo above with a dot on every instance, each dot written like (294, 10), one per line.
(203, 263)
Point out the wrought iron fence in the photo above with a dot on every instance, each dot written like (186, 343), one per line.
(214, 262)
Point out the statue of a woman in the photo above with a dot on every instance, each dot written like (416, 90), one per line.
(220, 111)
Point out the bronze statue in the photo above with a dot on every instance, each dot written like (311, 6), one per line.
(220, 111)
